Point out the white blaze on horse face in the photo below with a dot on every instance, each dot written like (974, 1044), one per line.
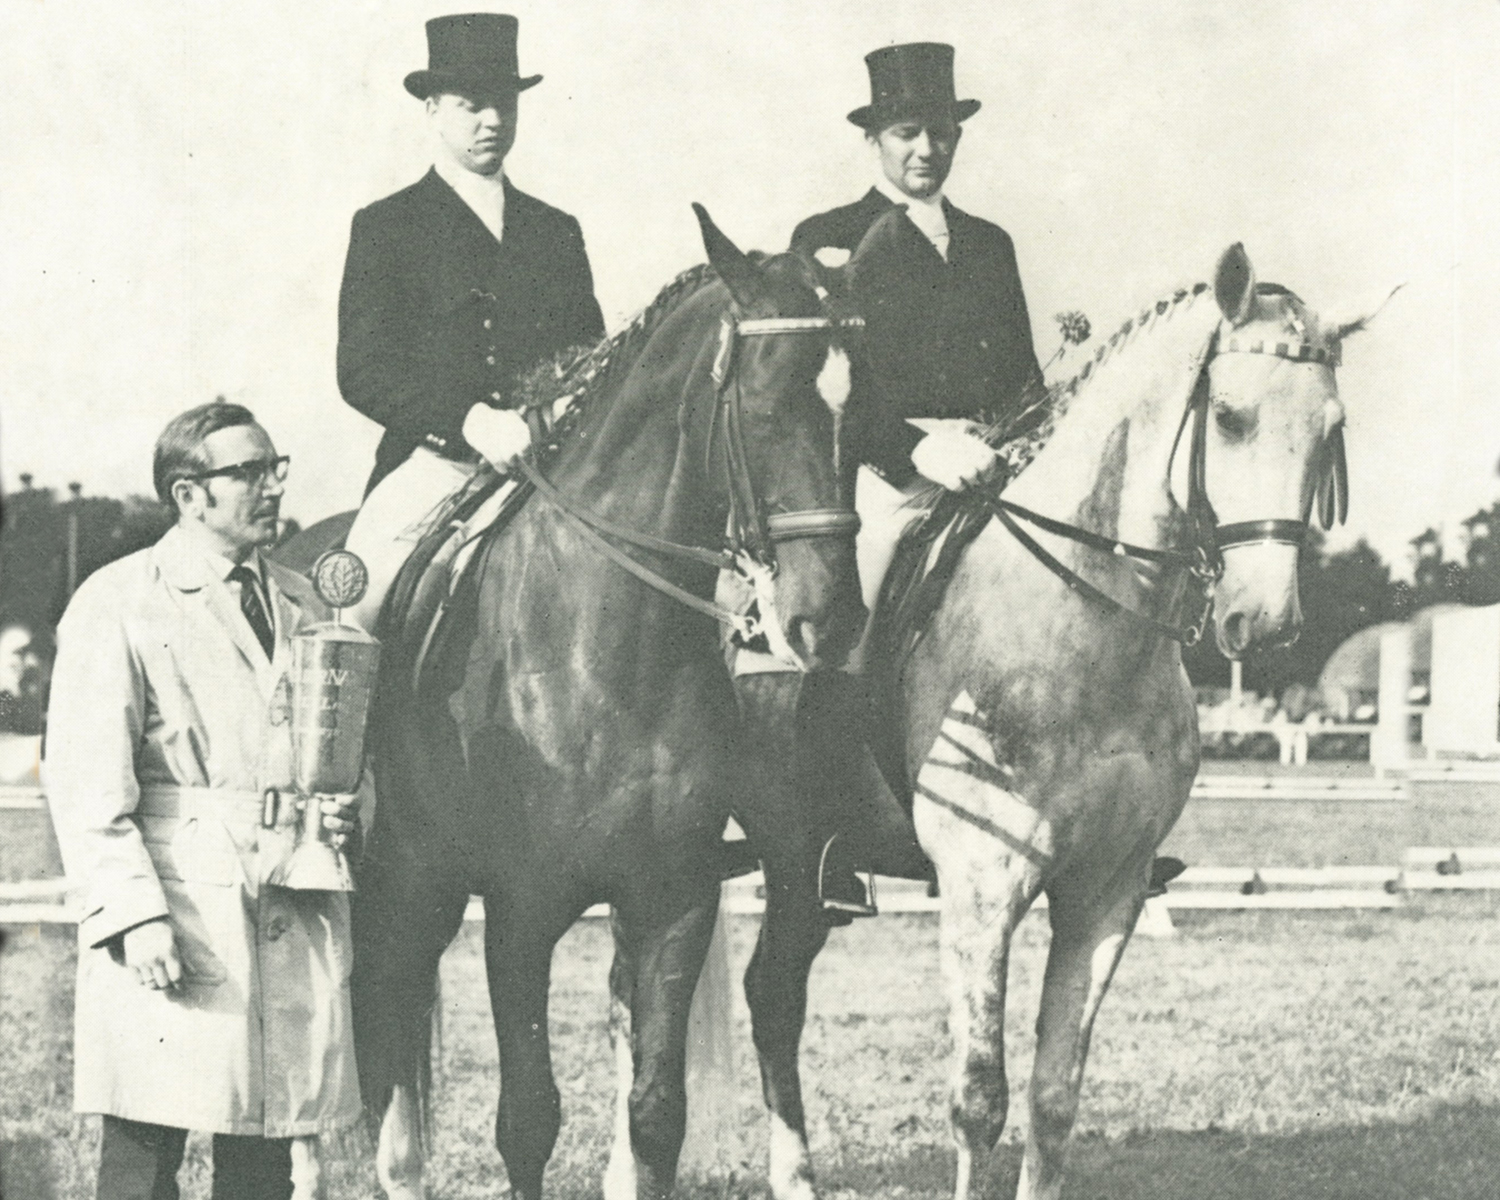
(834, 381)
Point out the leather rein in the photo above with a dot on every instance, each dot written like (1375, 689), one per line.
(1204, 561)
(753, 534)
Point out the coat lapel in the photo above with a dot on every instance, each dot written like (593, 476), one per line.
(463, 250)
(186, 570)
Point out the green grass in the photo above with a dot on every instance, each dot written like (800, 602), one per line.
(1255, 1055)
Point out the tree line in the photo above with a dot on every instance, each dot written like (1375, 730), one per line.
(50, 542)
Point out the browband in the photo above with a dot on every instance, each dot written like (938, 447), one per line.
(752, 326)
(1293, 351)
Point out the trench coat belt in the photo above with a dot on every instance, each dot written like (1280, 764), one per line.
(231, 805)
(261, 824)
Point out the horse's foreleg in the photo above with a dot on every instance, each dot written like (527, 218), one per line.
(974, 943)
(1087, 942)
(670, 957)
(786, 818)
(518, 961)
(791, 934)
(307, 1169)
(399, 1160)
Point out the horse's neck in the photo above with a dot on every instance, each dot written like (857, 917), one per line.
(1107, 466)
(639, 457)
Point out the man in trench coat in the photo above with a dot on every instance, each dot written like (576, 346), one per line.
(207, 999)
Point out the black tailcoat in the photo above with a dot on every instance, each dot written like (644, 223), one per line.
(945, 338)
(435, 316)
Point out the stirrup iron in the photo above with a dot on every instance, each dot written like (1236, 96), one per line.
(863, 907)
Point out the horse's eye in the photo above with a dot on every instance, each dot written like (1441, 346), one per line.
(1235, 424)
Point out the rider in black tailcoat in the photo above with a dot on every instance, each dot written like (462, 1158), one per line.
(453, 289)
(949, 334)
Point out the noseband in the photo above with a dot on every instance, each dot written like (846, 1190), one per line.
(751, 528)
(1277, 531)
(753, 534)
(1204, 561)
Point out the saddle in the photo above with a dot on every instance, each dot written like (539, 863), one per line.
(925, 561)
(416, 620)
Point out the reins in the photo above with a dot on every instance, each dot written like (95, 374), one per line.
(1204, 562)
(754, 534)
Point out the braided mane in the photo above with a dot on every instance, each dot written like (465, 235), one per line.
(580, 370)
(1020, 438)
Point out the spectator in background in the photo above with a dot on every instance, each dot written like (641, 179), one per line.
(23, 680)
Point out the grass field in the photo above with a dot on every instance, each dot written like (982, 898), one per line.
(1257, 1055)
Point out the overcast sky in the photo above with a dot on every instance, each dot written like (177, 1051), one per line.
(177, 179)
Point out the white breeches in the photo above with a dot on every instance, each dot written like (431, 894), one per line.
(884, 513)
(393, 519)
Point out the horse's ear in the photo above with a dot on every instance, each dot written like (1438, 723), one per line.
(741, 276)
(1340, 327)
(1234, 285)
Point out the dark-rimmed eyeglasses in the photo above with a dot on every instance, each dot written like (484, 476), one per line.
(253, 473)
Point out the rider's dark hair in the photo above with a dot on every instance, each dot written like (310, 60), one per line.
(179, 450)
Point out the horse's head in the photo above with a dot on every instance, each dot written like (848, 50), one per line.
(782, 371)
(1270, 447)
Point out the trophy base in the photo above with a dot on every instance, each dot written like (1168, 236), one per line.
(313, 867)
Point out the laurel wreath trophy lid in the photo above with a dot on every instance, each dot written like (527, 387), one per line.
(340, 578)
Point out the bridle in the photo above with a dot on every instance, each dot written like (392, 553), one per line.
(1203, 560)
(753, 534)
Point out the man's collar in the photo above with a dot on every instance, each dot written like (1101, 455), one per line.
(896, 196)
(223, 567)
(189, 565)
(461, 180)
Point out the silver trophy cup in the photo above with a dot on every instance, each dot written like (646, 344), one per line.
(332, 679)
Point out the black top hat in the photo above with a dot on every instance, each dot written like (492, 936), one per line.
(473, 52)
(911, 80)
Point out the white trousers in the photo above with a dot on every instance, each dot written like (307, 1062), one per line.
(394, 518)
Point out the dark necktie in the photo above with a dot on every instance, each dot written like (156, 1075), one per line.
(254, 610)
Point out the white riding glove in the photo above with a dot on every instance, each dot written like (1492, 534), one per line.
(954, 457)
(499, 434)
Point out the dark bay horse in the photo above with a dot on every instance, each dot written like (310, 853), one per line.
(1050, 734)
(581, 742)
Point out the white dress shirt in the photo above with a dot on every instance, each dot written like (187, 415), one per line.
(927, 215)
(485, 194)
